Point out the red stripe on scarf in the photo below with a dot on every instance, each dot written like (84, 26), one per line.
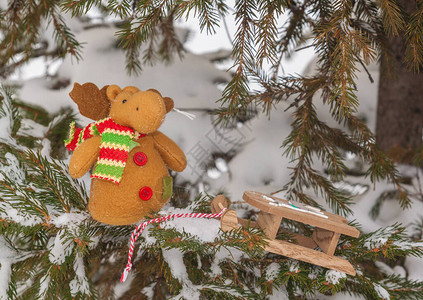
(72, 145)
(87, 133)
(110, 124)
(114, 154)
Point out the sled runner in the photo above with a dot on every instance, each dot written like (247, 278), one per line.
(327, 229)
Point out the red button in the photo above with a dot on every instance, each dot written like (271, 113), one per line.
(145, 193)
(140, 158)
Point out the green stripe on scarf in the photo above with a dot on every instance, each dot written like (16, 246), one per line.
(118, 139)
(108, 170)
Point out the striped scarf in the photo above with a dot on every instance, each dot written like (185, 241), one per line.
(116, 142)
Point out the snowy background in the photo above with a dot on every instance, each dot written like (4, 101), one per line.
(246, 157)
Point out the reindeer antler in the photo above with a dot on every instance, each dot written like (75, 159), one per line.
(92, 102)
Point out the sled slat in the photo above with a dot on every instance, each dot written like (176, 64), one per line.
(311, 256)
(332, 223)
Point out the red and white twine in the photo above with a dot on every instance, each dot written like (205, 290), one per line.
(142, 226)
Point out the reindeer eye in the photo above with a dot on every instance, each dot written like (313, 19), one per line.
(123, 101)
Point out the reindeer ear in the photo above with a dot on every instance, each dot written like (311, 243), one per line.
(168, 101)
(131, 89)
(92, 102)
(113, 91)
(169, 104)
(155, 91)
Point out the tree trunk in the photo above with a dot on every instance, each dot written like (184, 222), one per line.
(400, 102)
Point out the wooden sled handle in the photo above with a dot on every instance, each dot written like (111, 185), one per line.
(218, 203)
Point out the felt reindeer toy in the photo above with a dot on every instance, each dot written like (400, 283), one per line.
(130, 178)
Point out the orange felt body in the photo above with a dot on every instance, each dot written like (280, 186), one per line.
(146, 166)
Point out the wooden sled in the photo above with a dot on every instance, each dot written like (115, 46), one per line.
(327, 229)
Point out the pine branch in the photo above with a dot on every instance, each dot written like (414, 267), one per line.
(13, 25)
(236, 92)
(137, 31)
(267, 31)
(65, 39)
(304, 137)
(170, 41)
(392, 17)
(207, 12)
(414, 39)
(294, 33)
(78, 7)
(21, 26)
(121, 9)
(381, 166)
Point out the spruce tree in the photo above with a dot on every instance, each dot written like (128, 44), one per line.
(400, 87)
(52, 249)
